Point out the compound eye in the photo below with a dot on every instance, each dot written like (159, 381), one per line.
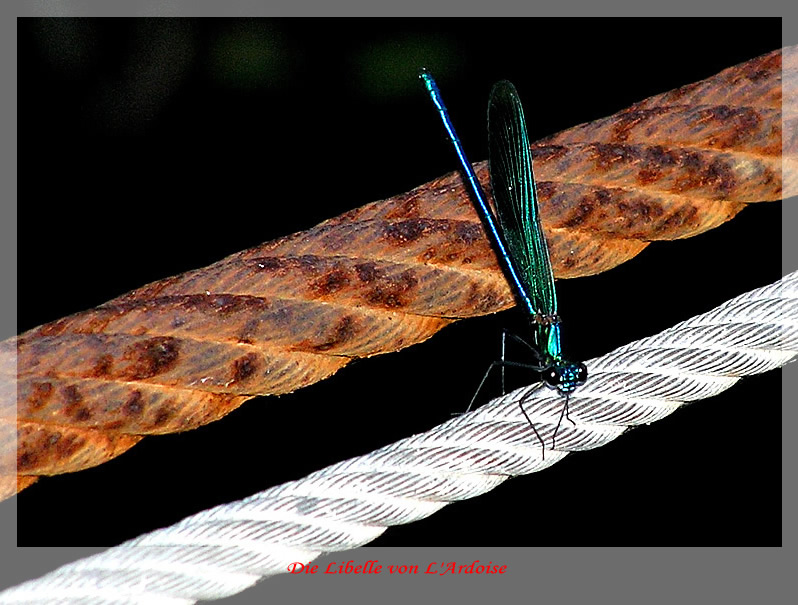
(581, 373)
(552, 377)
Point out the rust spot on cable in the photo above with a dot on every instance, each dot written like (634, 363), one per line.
(330, 282)
(150, 358)
(103, 366)
(184, 351)
(162, 416)
(244, 367)
(344, 330)
(41, 394)
(133, 406)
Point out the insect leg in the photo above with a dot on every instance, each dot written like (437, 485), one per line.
(504, 343)
(502, 364)
(565, 414)
(542, 443)
(482, 383)
(523, 342)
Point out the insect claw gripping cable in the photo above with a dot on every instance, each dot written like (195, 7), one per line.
(224, 550)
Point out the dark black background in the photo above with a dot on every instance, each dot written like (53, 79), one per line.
(148, 148)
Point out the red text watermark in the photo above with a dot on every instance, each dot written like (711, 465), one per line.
(438, 568)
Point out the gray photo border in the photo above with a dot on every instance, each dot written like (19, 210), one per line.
(625, 575)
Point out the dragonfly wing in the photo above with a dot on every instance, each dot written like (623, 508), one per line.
(515, 196)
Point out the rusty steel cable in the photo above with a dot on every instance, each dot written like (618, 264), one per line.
(226, 549)
(186, 350)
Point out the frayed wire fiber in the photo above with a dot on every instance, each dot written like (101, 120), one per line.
(184, 351)
(222, 551)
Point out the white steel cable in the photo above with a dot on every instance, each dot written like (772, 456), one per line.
(224, 550)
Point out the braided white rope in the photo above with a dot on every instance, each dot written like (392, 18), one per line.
(226, 549)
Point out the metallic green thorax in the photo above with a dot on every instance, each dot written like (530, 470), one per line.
(547, 339)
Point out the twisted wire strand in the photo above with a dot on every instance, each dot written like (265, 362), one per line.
(226, 549)
(186, 350)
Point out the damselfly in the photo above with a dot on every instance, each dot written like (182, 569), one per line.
(515, 232)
